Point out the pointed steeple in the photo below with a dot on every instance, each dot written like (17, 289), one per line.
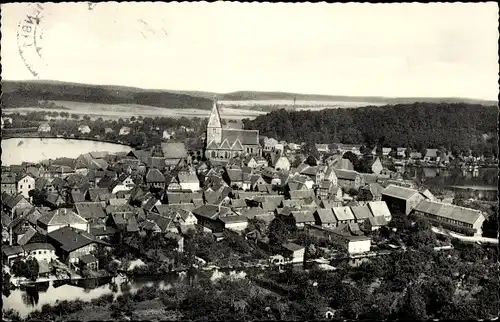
(214, 118)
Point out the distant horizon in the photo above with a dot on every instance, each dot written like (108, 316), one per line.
(246, 90)
(429, 50)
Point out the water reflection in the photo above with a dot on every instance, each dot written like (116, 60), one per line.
(33, 298)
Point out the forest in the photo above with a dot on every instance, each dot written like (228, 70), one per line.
(25, 94)
(456, 127)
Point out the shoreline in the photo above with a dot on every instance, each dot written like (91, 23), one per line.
(38, 136)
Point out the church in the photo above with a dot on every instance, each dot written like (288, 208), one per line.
(223, 144)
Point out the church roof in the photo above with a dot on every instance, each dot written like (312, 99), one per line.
(246, 137)
(214, 118)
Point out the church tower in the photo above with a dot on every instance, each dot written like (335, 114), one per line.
(214, 126)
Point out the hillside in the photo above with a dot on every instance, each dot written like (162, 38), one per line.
(28, 93)
(457, 127)
(22, 94)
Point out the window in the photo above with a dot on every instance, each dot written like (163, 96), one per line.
(21, 186)
(29, 186)
(45, 252)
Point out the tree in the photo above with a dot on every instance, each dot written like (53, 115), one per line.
(309, 149)
(280, 229)
(413, 307)
(28, 268)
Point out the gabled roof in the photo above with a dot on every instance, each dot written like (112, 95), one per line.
(188, 177)
(379, 209)
(343, 213)
(377, 221)
(89, 210)
(99, 194)
(233, 219)
(246, 137)
(164, 222)
(346, 174)
(461, 214)
(303, 216)
(71, 239)
(154, 175)
(375, 189)
(399, 192)
(210, 211)
(361, 212)
(293, 247)
(326, 216)
(62, 216)
(30, 232)
(174, 150)
(301, 194)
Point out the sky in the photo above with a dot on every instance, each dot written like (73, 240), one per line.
(393, 50)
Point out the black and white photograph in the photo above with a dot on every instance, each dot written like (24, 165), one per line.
(232, 161)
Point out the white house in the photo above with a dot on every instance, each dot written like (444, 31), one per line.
(84, 129)
(60, 218)
(40, 251)
(123, 183)
(124, 131)
(357, 244)
(282, 164)
(236, 223)
(188, 180)
(294, 252)
(25, 185)
(44, 128)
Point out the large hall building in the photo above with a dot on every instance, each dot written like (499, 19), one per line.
(223, 143)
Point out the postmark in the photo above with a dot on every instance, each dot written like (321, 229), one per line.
(29, 40)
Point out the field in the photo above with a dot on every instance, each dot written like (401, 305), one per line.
(301, 103)
(116, 111)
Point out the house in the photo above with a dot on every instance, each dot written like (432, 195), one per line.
(316, 173)
(344, 215)
(271, 176)
(13, 204)
(9, 183)
(401, 200)
(12, 253)
(123, 221)
(125, 130)
(293, 252)
(303, 217)
(377, 166)
(348, 179)
(386, 151)
(361, 213)
(60, 218)
(325, 218)
(25, 184)
(353, 241)
(84, 129)
(71, 244)
(123, 183)
(371, 192)
(401, 153)
(188, 180)
(301, 194)
(322, 148)
(173, 152)
(44, 128)
(40, 251)
(431, 155)
(331, 176)
(327, 190)
(163, 223)
(234, 222)
(458, 219)
(282, 163)
(297, 181)
(380, 209)
(155, 179)
(208, 217)
(89, 262)
(375, 223)
(93, 212)
(415, 155)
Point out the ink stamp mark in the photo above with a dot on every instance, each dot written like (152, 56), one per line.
(29, 40)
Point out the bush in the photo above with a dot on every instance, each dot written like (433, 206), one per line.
(146, 293)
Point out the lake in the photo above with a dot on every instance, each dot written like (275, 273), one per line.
(32, 299)
(480, 184)
(18, 150)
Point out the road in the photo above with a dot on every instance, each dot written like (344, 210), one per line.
(466, 238)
